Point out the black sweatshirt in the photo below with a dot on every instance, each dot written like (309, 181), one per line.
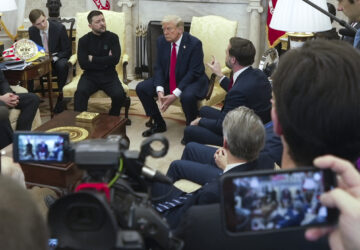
(99, 46)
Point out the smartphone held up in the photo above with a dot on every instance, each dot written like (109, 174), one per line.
(268, 201)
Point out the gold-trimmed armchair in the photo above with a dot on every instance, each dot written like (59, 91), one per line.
(214, 32)
(115, 22)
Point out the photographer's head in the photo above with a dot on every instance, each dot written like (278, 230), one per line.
(316, 101)
(244, 133)
(22, 225)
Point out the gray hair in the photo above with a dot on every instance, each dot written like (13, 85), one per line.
(173, 19)
(244, 133)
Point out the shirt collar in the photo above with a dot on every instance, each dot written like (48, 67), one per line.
(178, 42)
(47, 30)
(231, 166)
(237, 73)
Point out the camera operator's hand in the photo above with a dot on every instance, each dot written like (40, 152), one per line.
(346, 197)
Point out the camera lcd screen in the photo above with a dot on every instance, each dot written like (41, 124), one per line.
(276, 201)
(40, 147)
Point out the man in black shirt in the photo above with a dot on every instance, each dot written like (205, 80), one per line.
(98, 54)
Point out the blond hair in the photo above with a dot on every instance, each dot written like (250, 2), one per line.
(173, 19)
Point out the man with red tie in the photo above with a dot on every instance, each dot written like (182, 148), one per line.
(247, 87)
(179, 73)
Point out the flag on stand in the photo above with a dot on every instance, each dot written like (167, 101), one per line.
(273, 36)
(100, 6)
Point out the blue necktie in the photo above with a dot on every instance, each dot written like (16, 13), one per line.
(357, 39)
(166, 205)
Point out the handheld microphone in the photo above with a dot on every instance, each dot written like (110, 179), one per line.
(155, 175)
(4, 113)
(346, 32)
(341, 22)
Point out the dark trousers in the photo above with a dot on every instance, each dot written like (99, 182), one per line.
(87, 87)
(197, 164)
(201, 134)
(146, 91)
(28, 105)
(61, 69)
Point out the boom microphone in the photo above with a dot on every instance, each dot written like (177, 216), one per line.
(341, 22)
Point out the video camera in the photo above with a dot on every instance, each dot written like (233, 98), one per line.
(112, 208)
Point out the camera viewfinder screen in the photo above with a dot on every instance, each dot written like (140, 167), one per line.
(35, 147)
(276, 201)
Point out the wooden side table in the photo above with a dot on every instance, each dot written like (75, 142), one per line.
(32, 72)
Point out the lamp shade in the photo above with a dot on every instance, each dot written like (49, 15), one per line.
(298, 16)
(7, 5)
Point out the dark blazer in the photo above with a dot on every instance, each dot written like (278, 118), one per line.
(207, 194)
(189, 65)
(4, 85)
(57, 38)
(201, 228)
(251, 89)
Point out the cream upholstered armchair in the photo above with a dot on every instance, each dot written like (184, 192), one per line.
(14, 113)
(214, 32)
(115, 22)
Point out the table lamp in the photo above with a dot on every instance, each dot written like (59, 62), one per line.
(7, 5)
(299, 20)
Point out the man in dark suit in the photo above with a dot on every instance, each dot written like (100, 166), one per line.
(351, 9)
(53, 37)
(248, 87)
(315, 112)
(198, 162)
(28, 104)
(236, 155)
(179, 73)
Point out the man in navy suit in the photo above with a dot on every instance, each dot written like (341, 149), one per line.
(248, 87)
(27, 103)
(199, 162)
(179, 73)
(244, 137)
(315, 112)
(53, 37)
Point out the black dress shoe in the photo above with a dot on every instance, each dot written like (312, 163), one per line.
(183, 142)
(59, 107)
(156, 128)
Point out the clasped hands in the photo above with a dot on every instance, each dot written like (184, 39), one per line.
(10, 99)
(90, 57)
(165, 100)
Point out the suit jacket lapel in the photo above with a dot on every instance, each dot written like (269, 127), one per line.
(182, 48)
(167, 56)
(50, 36)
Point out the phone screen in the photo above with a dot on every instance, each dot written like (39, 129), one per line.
(276, 200)
(53, 243)
(40, 147)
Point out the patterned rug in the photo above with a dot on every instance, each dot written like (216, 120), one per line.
(174, 118)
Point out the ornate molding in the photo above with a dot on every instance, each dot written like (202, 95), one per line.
(128, 3)
(255, 5)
